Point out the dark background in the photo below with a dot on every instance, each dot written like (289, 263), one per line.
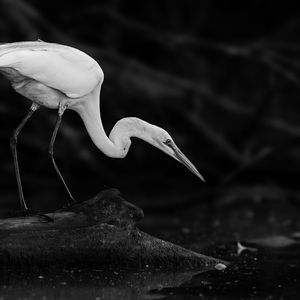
(222, 77)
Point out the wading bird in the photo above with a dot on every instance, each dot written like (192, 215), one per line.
(61, 77)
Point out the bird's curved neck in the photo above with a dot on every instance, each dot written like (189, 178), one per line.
(89, 111)
(118, 142)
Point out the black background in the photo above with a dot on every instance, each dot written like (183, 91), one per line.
(222, 77)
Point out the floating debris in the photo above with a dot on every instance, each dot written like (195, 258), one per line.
(241, 248)
(275, 241)
(220, 267)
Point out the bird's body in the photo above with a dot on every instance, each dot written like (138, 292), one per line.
(60, 67)
(61, 77)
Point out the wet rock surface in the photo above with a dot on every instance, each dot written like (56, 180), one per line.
(98, 232)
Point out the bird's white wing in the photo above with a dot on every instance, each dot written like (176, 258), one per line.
(64, 68)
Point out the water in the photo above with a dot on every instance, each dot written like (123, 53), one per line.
(255, 274)
(263, 275)
(89, 284)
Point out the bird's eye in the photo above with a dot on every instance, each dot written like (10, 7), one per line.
(168, 142)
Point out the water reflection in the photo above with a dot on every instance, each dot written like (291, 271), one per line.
(88, 284)
(267, 273)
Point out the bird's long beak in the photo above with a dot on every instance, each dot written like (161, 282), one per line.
(185, 161)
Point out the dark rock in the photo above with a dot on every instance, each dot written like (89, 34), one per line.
(98, 232)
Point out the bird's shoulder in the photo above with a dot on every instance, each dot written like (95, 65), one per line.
(64, 68)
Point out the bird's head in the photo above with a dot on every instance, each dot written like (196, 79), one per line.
(154, 135)
(162, 140)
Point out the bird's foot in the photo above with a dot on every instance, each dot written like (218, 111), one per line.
(43, 217)
(71, 202)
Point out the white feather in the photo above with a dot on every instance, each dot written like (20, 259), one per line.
(63, 68)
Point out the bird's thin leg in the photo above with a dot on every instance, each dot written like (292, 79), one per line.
(13, 146)
(58, 122)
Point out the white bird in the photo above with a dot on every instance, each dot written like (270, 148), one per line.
(61, 77)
